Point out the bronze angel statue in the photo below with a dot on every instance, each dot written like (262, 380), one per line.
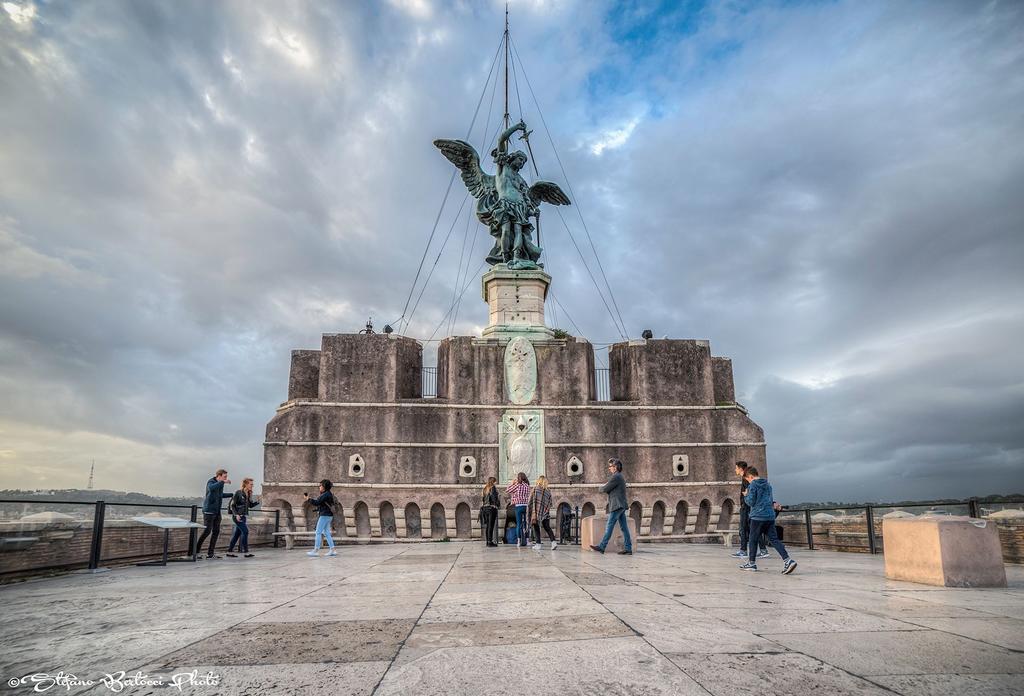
(504, 202)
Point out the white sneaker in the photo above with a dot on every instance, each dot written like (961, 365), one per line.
(536, 547)
(554, 545)
(313, 553)
(332, 553)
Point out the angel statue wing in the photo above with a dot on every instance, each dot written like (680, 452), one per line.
(462, 155)
(547, 192)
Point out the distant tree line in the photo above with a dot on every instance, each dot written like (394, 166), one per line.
(79, 495)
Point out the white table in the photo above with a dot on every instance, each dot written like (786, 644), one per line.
(167, 524)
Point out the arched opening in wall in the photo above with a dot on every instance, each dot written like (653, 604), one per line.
(463, 521)
(285, 517)
(658, 519)
(636, 513)
(362, 514)
(310, 513)
(725, 517)
(564, 513)
(703, 517)
(388, 527)
(588, 510)
(338, 521)
(438, 526)
(413, 525)
(679, 523)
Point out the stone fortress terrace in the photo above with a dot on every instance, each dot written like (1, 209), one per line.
(443, 618)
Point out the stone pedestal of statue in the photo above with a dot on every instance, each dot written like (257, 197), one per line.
(515, 302)
(947, 551)
(592, 531)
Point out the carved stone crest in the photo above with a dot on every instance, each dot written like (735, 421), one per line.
(521, 444)
(520, 371)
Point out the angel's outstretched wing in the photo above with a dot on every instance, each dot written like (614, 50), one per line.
(547, 192)
(462, 155)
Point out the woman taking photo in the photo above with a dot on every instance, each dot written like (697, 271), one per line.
(489, 509)
(540, 512)
(239, 507)
(324, 504)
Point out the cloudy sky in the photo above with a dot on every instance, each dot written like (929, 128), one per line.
(831, 192)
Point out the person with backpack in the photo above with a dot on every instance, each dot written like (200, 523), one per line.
(241, 503)
(762, 521)
(489, 501)
(324, 504)
(211, 512)
(519, 492)
(540, 513)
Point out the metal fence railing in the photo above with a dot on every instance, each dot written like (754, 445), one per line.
(34, 537)
(859, 528)
(602, 384)
(428, 382)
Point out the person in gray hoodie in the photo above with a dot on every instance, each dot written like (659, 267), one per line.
(616, 490)
(762, 521)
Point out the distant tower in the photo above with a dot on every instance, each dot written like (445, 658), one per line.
(92, 470)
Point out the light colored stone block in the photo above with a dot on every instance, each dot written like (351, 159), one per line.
(592, 531)
(949, 551)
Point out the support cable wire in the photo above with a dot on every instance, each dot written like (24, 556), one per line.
(579, 332)
(462, 256)
(458, 300)
(426, 282)
(464, 287)
(451, 181)
(586, 266)
(547, 131)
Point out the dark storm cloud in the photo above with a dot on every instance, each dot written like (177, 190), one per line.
(829, 192)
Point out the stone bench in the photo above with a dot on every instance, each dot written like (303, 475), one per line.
(726, 536)
(948, 551)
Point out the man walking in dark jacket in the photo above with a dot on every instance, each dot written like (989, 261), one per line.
(616, 490)
(211, 511)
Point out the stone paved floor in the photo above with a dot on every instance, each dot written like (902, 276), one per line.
(442, 618)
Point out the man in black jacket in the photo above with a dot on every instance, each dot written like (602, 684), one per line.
(211, 510)
(616, 490)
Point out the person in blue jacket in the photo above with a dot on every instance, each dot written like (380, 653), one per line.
(211, 511)
(762, 520)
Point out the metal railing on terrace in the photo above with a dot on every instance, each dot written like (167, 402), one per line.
(602, 384)
(859, 527)
(36, 538)
(428, 382)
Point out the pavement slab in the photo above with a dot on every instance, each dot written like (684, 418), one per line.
(779, 674)
(459, 618)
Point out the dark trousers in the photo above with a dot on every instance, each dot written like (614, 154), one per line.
(767, 527)
(212, 530)
(241, 535)
(490, 521)
(762, 541)
(547, 528)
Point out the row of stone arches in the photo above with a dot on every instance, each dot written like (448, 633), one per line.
(436, 522)
(409, 523)
(680, 520)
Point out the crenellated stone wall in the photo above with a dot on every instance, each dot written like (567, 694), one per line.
(672, 420)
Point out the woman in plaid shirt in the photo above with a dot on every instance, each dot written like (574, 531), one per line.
(519, 492)
(540, 512)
